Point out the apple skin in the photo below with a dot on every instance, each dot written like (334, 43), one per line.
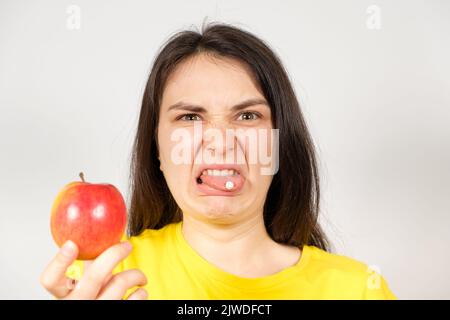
(93, 216)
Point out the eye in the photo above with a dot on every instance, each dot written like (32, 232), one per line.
(249, 116)
(189, 117)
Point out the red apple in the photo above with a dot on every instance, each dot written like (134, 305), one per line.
(91, 215)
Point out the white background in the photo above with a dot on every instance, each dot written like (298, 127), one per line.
(377, 102)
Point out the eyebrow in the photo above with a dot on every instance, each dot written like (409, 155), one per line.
(197, 108)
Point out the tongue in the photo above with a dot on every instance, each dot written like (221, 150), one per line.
(218, 182)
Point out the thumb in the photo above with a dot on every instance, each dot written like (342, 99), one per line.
(53, 278)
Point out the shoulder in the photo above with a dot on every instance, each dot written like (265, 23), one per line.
(154, 239)
(155, 234)
(327, 261)
(347, 275)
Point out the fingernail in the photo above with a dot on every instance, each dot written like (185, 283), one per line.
(71, 283)
(68, 249)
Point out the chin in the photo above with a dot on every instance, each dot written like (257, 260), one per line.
(220, 210)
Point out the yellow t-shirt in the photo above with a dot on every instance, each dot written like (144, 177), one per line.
(175, 270)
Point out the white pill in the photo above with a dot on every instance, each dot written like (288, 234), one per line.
(229, 185)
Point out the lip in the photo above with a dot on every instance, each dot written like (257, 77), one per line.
(235, 167)
(206, 190)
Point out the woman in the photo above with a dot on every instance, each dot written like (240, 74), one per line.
(216, 229)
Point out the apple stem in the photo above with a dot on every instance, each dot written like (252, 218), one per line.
(82, 176)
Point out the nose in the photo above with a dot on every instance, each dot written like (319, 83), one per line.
(218, 140)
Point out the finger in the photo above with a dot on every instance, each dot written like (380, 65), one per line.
(88, 263)
(93, 279)
(139, 294)
(53, 279)
(120, 283)
(71, 283)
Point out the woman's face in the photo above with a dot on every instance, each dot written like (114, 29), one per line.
(212, 118)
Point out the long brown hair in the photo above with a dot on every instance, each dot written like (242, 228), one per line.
(292, 205)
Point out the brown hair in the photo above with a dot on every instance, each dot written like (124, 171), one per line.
(292, 204)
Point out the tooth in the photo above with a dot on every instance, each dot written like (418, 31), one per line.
(224, 173)
(210, 172)
(216, 172)
(204, 173)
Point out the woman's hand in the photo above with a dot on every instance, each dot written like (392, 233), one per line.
(97, 281)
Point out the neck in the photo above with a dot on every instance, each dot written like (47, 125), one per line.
(243, 248)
